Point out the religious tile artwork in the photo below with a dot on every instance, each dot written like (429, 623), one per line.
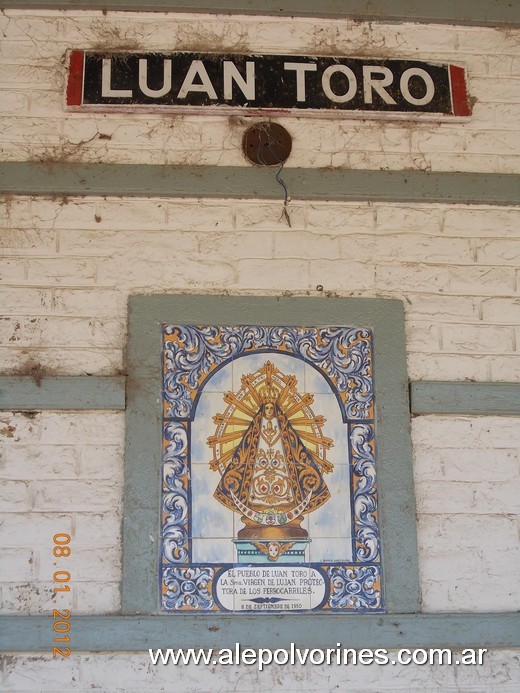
(269, 499)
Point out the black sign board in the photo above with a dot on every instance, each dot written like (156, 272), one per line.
(255, 83)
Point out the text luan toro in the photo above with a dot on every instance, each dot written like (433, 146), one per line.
(274, 82)
(376, 79)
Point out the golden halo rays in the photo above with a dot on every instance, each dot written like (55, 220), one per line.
(267, 384)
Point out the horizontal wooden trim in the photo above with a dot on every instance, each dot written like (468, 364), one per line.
(128, 180)
(26, 393)
(471, 12)
(138, 633)
(493, 399)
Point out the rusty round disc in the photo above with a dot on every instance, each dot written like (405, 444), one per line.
(267, 144)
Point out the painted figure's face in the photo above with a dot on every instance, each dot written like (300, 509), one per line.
(273, 549)
(269, 411)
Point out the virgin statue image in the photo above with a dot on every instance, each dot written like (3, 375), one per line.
(270, 451)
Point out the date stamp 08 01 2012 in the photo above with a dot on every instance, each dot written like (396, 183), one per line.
(61, 625)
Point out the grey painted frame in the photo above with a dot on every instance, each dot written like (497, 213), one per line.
(65, 392)
(144, 416)
(137, 633)
(87, 393)
(150, 180)
(473, 398)
(479, 12)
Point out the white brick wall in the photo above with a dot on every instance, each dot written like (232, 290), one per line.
(33, 75)
(62, 473)
(69, 266)
(58, 478)
(467, 484)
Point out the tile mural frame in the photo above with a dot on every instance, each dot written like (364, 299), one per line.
(143, 467)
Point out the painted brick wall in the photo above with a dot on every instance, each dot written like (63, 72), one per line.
(36, 127)
(62, 472)
(67, 266)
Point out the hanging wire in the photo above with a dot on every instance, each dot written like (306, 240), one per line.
(260, 157)
(287, 199)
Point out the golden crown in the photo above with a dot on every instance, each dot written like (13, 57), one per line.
(268, 394)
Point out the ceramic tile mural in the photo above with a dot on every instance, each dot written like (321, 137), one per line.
(269, 499)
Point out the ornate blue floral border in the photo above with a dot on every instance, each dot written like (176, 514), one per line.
(175, 498)
(366, 529)
(188, 588)
(354, 587)
(344, 357)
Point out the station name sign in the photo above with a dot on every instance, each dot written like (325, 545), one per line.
(197, 82)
